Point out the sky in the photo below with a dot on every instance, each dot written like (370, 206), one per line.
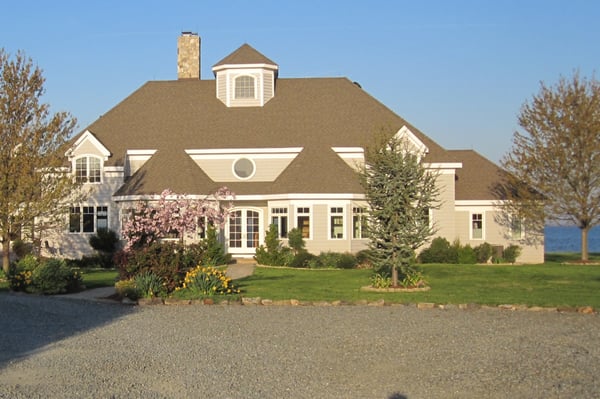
(458, 70)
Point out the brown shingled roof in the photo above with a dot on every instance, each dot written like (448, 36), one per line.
(313, 113)
(478, 176)
(245, 54)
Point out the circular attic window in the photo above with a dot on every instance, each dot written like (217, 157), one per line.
(244, 168)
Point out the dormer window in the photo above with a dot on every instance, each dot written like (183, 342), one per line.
(244, 87)
(88, 169)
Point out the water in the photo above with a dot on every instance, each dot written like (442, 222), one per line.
(568, 239)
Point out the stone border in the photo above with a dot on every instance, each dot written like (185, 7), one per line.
(379, 303)
(369, 288)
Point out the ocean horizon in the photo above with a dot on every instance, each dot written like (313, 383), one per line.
(568, 239)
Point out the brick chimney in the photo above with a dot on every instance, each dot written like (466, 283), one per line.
(188, 56)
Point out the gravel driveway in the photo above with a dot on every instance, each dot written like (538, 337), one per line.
(65, 348)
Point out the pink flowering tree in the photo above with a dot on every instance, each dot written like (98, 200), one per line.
(174, 215)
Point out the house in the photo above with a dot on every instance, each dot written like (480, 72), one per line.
(288, 148)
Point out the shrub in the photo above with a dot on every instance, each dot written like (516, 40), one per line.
(328, 259)
(363, 258)
(295, 240)
(483, 252)
(100, 260)
(381, 280)
(213, 251)
(440, 251)
(22, 248)
(346, 261)
(168, 260)
(273, 253)
(106, 241)
(51, 276)
(511, 253)
(149, 285)
(126, 289)
(410, 277)
(305, 259)
(466, 255)
(207, 281)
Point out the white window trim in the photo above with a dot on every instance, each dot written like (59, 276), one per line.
(240, 177)
(95, 218)
(279, 215)
(521, 236)
(482, 213)
(311, 232)
(87, 157)
(235, 83)
(344, 221)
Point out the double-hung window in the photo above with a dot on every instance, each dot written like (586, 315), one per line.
(336, 223)
(516, 228)
(88, 170)
(359, 223)
(303, 221)
(279, 217)
(477, 226)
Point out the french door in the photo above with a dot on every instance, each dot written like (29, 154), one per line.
(244, 231)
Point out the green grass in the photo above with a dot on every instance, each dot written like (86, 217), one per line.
(538, 285)
(550, 284)
(96, 278)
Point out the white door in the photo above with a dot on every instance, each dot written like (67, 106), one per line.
(244, 231)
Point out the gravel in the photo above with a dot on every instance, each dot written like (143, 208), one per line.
(64, 348)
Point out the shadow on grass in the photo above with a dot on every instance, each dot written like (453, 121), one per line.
(29, 323)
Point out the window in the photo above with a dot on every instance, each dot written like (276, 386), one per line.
(477, 226)
(336, 223)
(87, 170)
(244, 87)
(303, 221)
(101, 218)
(516, 228)
(279, 217)
(243, 168)
(359, 223)
(88, 219)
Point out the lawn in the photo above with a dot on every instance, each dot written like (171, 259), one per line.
(549, 284)
(539, 285)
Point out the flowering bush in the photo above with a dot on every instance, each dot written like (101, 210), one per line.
(207, 281)
(173, 215)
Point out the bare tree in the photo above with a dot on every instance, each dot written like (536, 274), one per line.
(33, 179)
(554, 164)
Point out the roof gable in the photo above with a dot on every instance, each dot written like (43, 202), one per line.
(245, 55)
(87, 144)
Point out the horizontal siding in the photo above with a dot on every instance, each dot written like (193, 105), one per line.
(221, 170)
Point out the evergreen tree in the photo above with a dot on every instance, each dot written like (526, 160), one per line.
(400, 192)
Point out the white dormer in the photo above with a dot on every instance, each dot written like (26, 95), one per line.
(413, 143)
(245, 78)
(87, 158)
(88, 144)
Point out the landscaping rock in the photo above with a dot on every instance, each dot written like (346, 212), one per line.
(586, 310)
(251, 301)
(425, 305)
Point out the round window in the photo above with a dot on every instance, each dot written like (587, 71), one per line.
(243, 168)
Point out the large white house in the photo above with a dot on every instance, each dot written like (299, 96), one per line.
(288, 148)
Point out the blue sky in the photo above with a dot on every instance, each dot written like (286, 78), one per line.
(458, 70)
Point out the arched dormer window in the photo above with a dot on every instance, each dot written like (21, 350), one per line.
(244, 87)
(88, 169)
